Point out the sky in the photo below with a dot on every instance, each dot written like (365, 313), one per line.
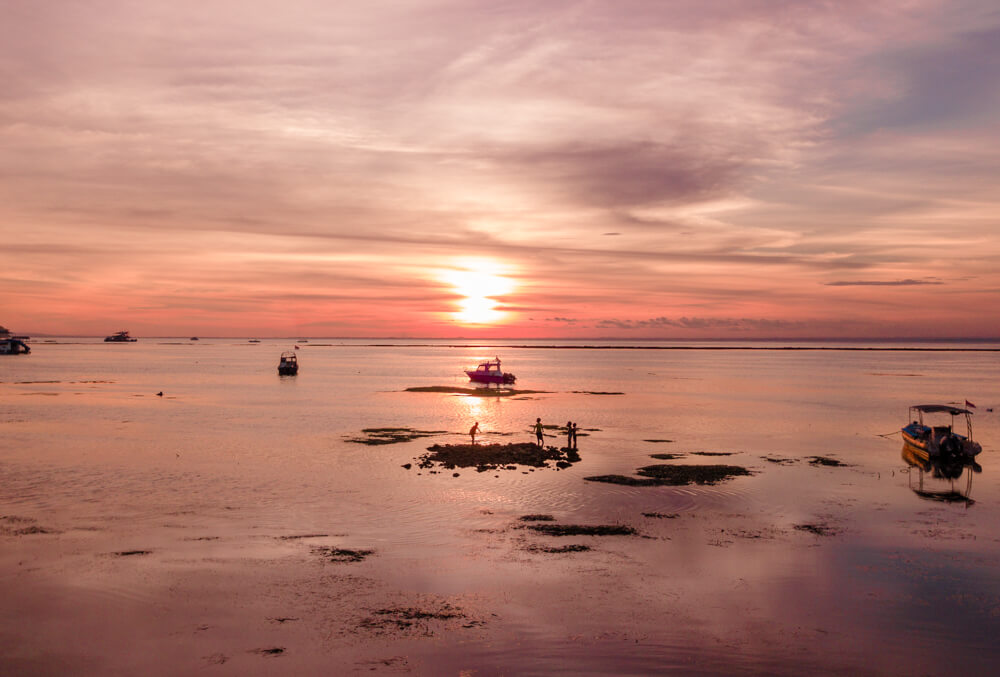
(514, 168)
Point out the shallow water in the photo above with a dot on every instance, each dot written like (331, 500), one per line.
(212, 479)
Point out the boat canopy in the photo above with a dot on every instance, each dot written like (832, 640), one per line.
(938, 408)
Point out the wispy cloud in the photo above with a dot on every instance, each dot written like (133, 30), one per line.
(716, 162)
(881, 283)
(726, 323)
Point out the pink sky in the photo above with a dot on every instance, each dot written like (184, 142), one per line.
(512, 169)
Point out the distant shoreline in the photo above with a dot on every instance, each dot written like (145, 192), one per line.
(550, 346)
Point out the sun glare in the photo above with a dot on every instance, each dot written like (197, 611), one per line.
(480, 281)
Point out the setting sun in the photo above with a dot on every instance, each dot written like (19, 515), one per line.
(480, 282)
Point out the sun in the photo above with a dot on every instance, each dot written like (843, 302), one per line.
(480, 282)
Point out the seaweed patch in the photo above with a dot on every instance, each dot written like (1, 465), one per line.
(675, 475)
(379, 436)
(583, 529)
(342, 555)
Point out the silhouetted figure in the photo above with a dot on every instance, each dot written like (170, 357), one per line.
(159, 394)
(573, 437)
(472, 432)
(539, 435)
(569, 434)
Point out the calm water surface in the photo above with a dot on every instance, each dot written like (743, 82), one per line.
(212, 478)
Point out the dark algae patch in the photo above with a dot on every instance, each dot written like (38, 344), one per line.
(537, 518)
(595, 392)
(294, 537)
(661, 515)
(558, 549)
(414, 618)
(583, 529)
(817, 529)
(485, 457)
(270, 651)
(342, 555)
(692, 474)
(625, 480)
(675, 475)
(378, 436)
(666, 457)
(131, 553)
(713, 453)
(658, 441)
(827, 461)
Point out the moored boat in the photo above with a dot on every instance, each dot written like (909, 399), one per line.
(289, 363)
(490, 372)
(120, 337)
(13, 346)
(933, 441)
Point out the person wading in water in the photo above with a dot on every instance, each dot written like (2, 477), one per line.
(472, 432)
(539, 436)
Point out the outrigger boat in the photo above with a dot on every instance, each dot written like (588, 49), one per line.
(120, 337)
(289, 364)
(490, 372)
(933, 441)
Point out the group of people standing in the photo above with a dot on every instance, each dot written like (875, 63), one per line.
(570, 434)
(539, 433)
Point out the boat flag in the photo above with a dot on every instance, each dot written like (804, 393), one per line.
(970, 404)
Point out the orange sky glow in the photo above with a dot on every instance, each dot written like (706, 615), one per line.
(562, 169)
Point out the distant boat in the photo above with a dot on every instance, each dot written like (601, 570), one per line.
(194, 338)
(254, 341)
(120, 337)
(490, 372)
(933, 441)
(289, 363)
(13, 346)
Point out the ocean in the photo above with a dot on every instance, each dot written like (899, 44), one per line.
(205, 529)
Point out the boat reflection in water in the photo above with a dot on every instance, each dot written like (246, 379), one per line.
(936, 477)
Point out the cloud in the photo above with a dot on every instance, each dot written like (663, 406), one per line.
(700, 323)
(714, 161)
(881, 283)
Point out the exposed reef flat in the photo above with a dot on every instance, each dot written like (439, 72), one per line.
(484, 457)
(674, 475)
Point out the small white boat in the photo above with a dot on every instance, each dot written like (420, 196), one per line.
(932, 441)
(289, 363)
(490, 372)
